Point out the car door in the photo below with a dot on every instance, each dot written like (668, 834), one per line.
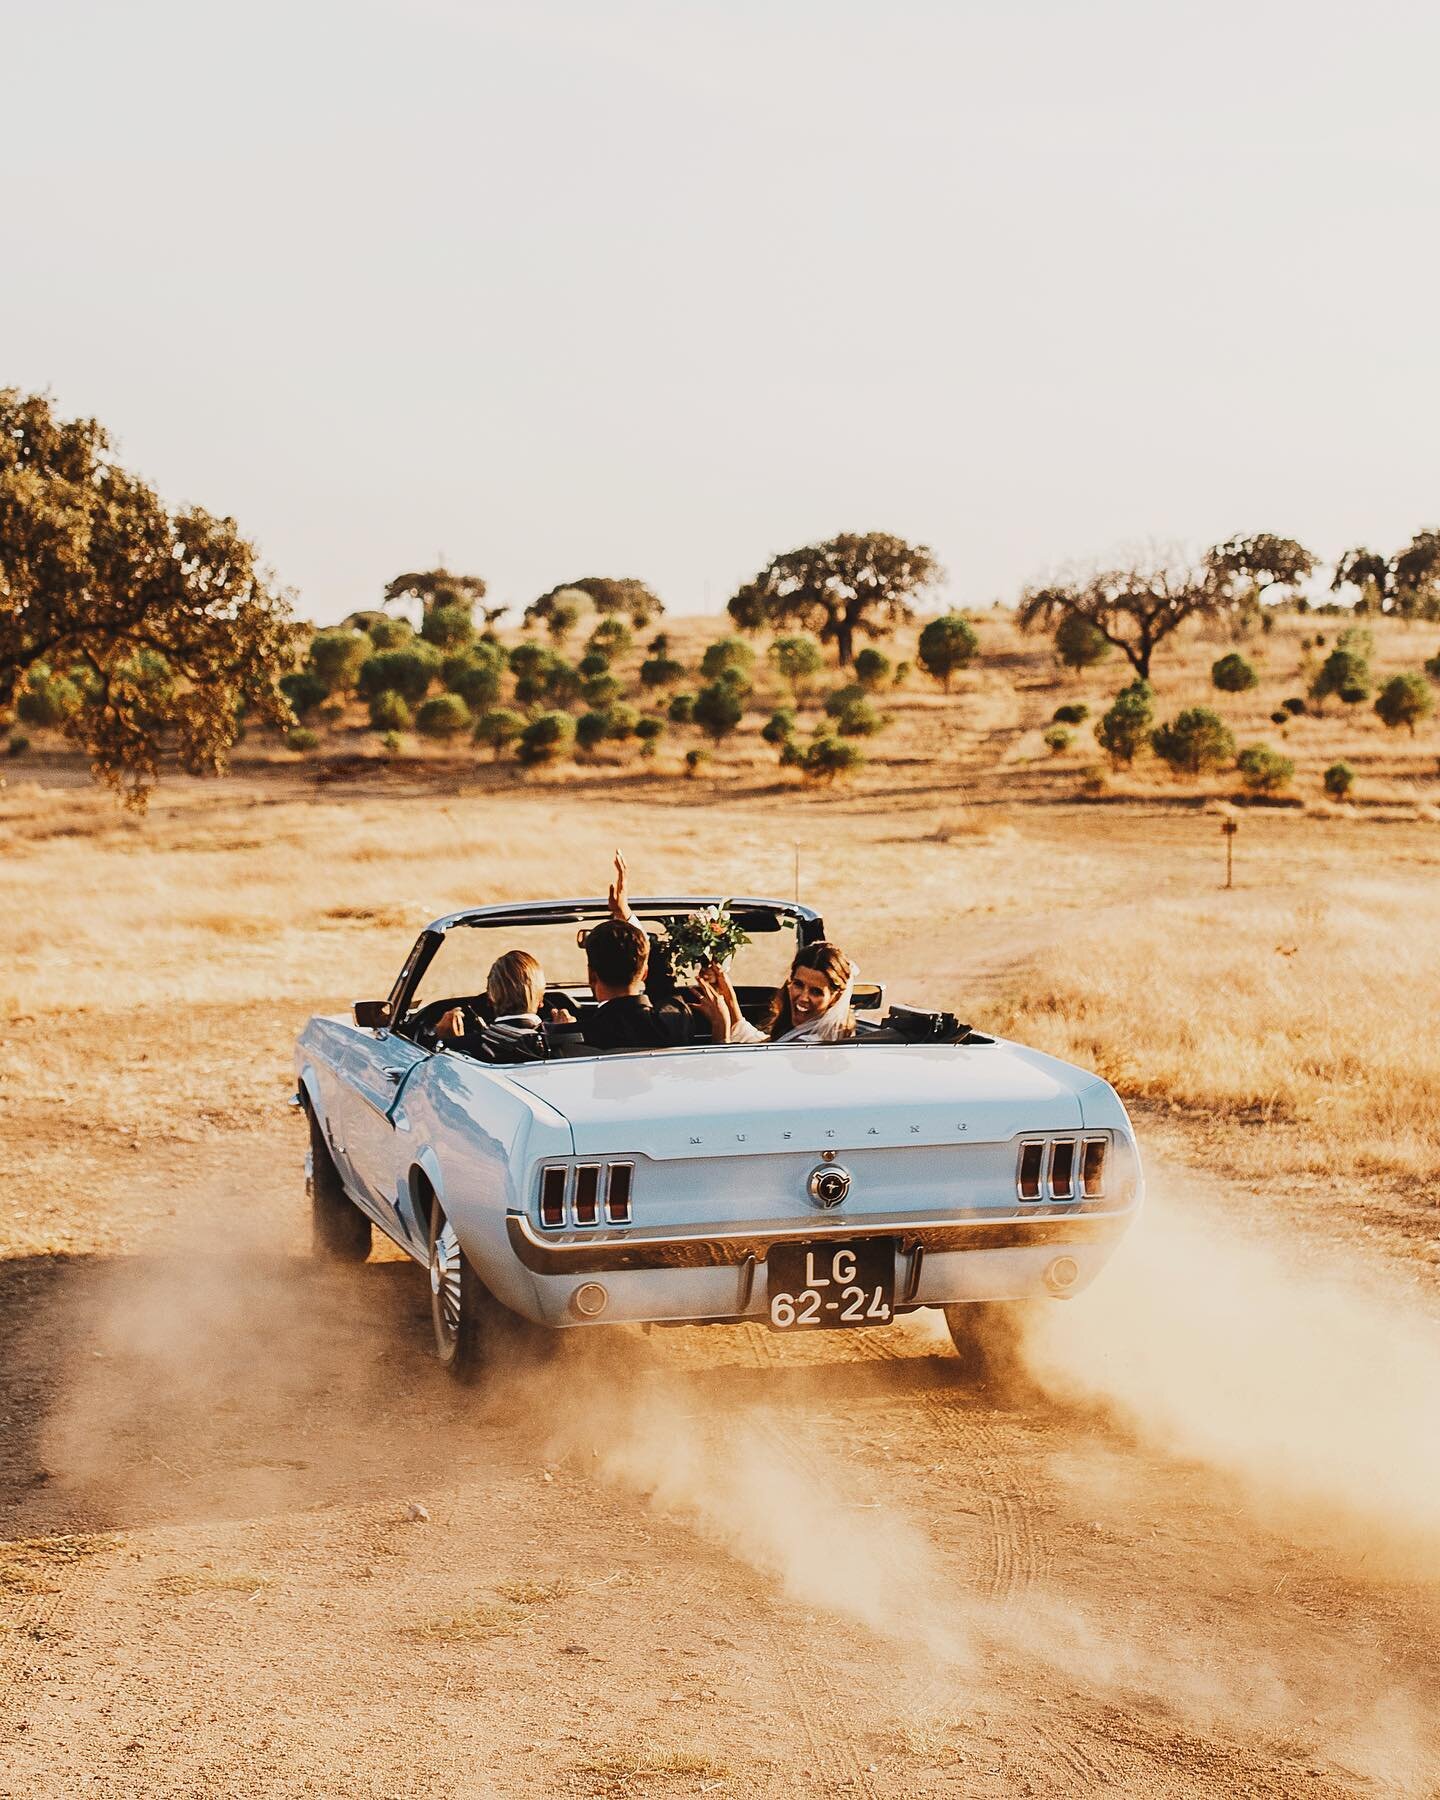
(378, 1065)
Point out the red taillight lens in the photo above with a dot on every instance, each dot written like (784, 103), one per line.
(1032, 1158)
(587, 1194)
(1062, 1169)
(1092, 1172)
(617, 1194)
(552, 1198)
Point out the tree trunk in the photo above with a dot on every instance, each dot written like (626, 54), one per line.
(845, 640)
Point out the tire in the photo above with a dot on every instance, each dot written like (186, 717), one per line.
(988, 1336)
(340, 1232)
(475, 1336)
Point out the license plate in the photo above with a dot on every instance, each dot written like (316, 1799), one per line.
(814, 1287)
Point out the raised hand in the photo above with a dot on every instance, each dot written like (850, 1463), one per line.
(710, 1003)
(619, 905)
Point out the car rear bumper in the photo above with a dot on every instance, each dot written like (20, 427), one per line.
(610, 1252)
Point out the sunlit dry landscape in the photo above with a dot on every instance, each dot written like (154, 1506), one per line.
(246, 1522)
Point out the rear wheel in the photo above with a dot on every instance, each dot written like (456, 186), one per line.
(988, 1335)
(473, 1332)
(340, 1232)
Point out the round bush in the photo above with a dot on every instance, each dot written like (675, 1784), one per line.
(1295, 706)
(499, 727)
(1405, 700)
(724, 654)
(826, 757)
(839, 699)
(649, 730)
(1121, 732)
(335, 657)
(859, 719)
(300, 737)
(661, 671)
(718, 709)
(389, 634)
(388, 712)
(305, 691)
(448, 627)
(476, 676)
(611, 637)
(695, 760)
(47, 700)
(682, 709)
(1281, 717)
(1078, 644)
(1075, 713)
(1339, 778)
(946, 644)
(593, 663)
(779, 728)
(591, 729)
(622, 721)
(1194, 741)
(1233, 674)
(1263, 770)
(872, 669)
(796, 659)
(409, 673)
(444, 716)
(1058, 738)
(601, 692)
(546, 739)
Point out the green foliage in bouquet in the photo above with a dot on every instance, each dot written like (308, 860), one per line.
(696, 939)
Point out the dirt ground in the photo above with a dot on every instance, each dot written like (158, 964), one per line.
(253, 1542)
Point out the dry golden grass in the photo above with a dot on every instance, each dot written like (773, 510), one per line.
(1321, 1010)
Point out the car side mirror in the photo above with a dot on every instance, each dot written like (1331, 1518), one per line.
(869, 996)
(374, 1015)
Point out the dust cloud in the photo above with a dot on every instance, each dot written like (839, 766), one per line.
(1315, 1387)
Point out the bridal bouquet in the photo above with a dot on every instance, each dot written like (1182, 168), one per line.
(695, 939)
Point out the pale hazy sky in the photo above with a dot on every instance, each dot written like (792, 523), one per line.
(659, 290)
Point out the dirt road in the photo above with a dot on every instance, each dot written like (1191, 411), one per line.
(258, 1545)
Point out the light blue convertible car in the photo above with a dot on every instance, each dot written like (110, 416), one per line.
(546, 1184)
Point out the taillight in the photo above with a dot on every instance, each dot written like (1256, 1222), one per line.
(617, 1194)
(1032, 1160)
(587, 1194)
(1092, 1170)
(552, 1198)
(1062, 1169)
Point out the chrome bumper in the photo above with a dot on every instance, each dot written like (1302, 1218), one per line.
(599, 1252)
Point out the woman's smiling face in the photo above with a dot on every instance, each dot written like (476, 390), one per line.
(810, 995)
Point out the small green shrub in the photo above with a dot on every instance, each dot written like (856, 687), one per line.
(1263, 770)
(1345, 672)
(838, 700)
(336, 657)
(779, 728)
(546, 739)
(827, 757)
(47, 700)
(443, 716)
(649, 730)
(623, 721)
(1280, 717)
(1405, 700)
(1075, 712)
(1339, 778)
(448, 627)
(796, 659)
(300, 737)
(902, 673)
(611, 638)
(499, 727)
(682, 709)
(661, 671)
(477, 675)
(1295, 706)
(1078, 644)
(1058, 739)
(1122, 731)
(389, 712)
(872, 670)
(718, 709)
(1233, 674)
(392, 743)
(947, 644)
(305, 691)
(859, 719)
(1193, 741)
(601, 692)
(591, 730)
(410, 673)
(695, 761)
(389, 634)
(593, 663)
(725, 655)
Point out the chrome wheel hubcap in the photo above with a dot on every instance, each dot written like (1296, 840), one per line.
(445, 1281)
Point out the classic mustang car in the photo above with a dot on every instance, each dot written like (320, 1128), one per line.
(546, 1184)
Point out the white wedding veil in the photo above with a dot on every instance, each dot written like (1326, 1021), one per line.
(832, 1026)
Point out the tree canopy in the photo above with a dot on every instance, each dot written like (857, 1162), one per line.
(1134, 608)
(161, 618)
(854, 583)
(612, 596)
